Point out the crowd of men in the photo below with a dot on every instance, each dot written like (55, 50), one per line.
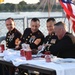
(58, 41)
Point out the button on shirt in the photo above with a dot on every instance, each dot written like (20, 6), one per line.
(50, 39)
(30, 38)
(12, 37)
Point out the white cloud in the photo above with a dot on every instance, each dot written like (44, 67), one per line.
(32, 1)
(17, 1)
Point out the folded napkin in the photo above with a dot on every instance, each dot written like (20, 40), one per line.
(14, 57)
(1, 54)
(10, 54)
(19, 61)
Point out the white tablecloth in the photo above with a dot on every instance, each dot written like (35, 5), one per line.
(62, 68)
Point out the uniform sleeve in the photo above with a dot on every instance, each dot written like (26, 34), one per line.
(39, 41)
(19, 35)
(62, 45)
(42, 38)
(33, 46)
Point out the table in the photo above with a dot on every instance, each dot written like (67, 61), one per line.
(57, 66)
(30, 67)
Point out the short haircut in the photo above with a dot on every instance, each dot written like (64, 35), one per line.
(35, 19)
(60, 23)
(10, 19)
(50, 19)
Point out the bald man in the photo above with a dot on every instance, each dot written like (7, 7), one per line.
(65, 47)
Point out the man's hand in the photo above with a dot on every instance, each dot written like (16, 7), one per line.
(47, 45)
(17, 47)
(40, 47)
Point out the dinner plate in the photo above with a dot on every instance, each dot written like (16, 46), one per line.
(69, 60)
(66, 60)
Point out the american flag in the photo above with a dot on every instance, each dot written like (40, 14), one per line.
(69, 8)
